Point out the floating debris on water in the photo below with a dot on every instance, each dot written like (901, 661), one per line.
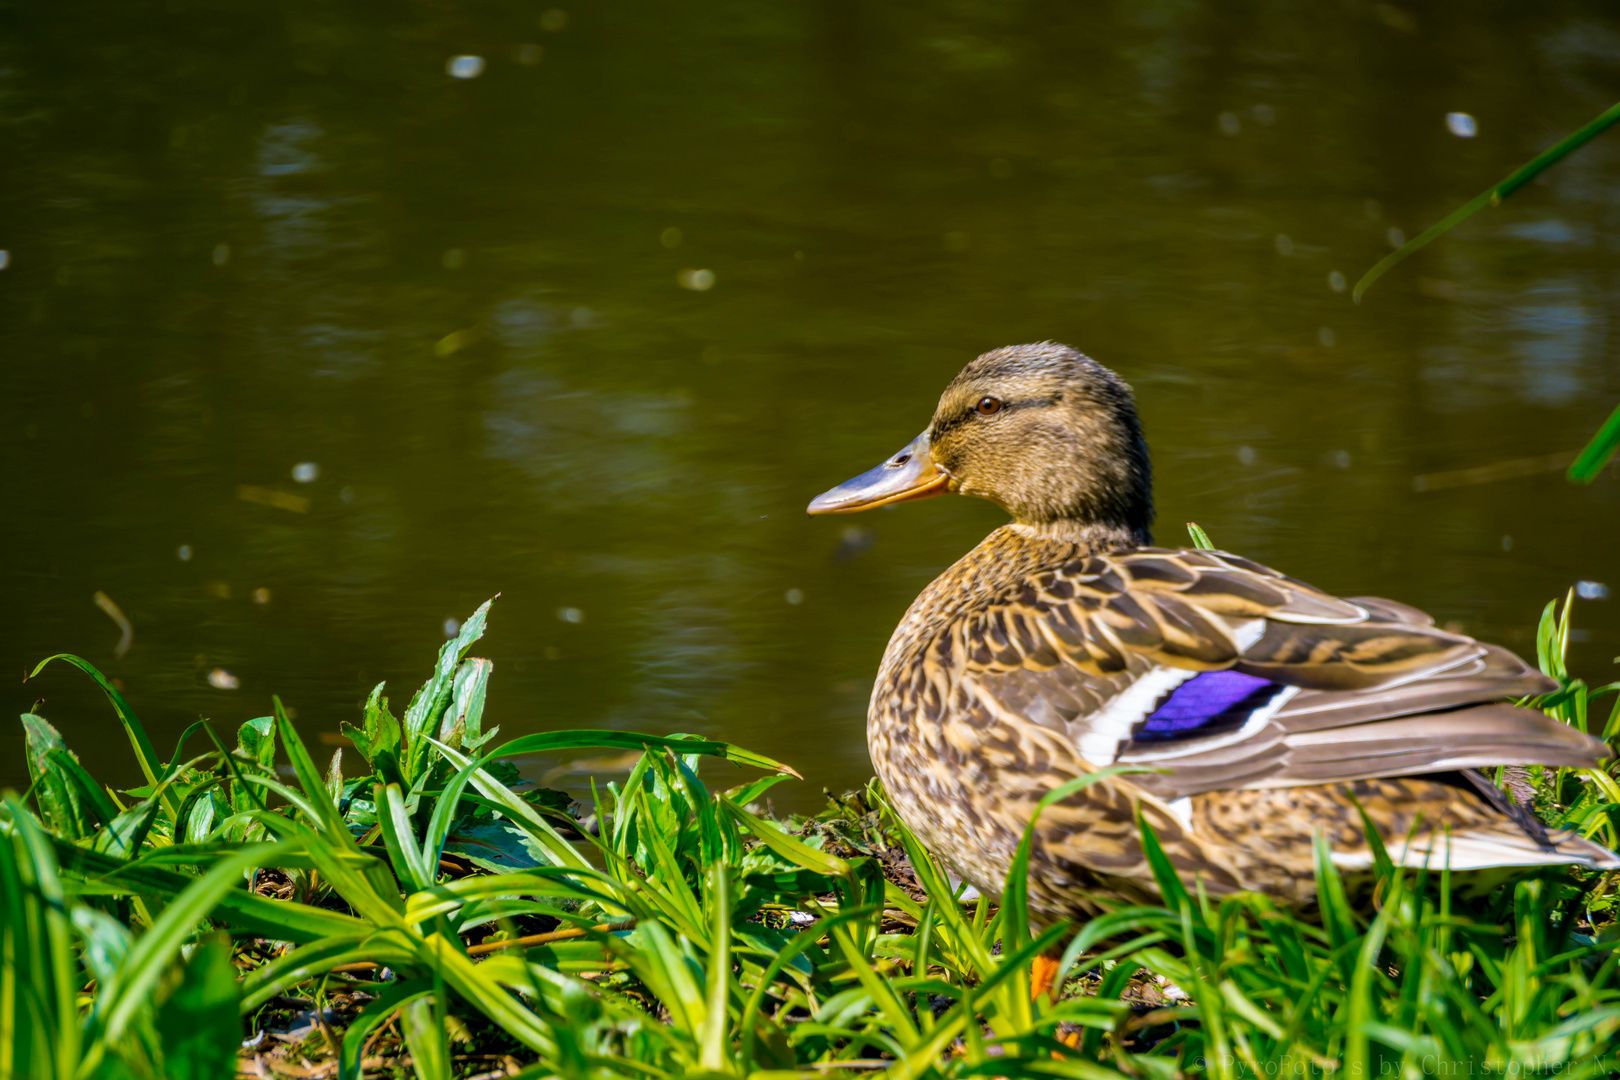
(696, 280)
(184, 552)
(451, 627)
(1461, 125)
(1439, 288)
(306, 472)
(853, 541)
(261, 595)
(794, 596)
(607, 763)
(570, 614)
(465, 67)
(1335, 281)
(457, 340)
(1586, 590)
(220, 679)
(127, 635)
(1486, 474)
(281, 500)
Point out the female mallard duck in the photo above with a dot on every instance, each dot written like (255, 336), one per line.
(1266, 710)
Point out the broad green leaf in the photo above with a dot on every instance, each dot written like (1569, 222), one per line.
(497, 846)
(91, 804)
(124, 835)
(199, 1026)
(467, 704)
(435, 695)
(65, 803)
(256, 740)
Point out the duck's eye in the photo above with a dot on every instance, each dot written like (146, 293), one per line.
(988, 406)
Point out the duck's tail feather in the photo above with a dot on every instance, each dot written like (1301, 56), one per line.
(1504, 845)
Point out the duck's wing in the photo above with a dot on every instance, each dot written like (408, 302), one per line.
(1227, 674)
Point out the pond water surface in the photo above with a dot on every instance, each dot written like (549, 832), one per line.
(311, 345)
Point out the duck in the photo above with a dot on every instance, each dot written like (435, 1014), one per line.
(1239, 712)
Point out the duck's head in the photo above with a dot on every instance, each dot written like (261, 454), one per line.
(1049, 435)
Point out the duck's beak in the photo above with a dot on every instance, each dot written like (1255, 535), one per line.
(910, 474)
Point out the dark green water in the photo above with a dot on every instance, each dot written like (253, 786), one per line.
(239, 238)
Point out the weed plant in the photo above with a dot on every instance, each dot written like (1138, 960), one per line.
(243, 912)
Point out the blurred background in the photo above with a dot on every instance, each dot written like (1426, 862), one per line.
(322, 323)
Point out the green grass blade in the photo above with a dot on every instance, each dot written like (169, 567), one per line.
(1171, 888)
(422, 1019)
(549, 741)
(39, 1021)
(148, 959)
(245, 911)
(145, 754)
(1491, 196)
(400, 839)
(714, 1043)
(311, 782)
(1200, 538)
(513, 806)
(789, 847)
(444, 812)
(373, 1016)
(660, 963)
(1597, 452)
(1015, 898)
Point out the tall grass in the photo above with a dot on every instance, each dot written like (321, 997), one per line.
(428, 915)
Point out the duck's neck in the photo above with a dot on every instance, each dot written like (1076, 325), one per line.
(1094, 537)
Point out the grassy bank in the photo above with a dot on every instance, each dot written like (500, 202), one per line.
(415, 909)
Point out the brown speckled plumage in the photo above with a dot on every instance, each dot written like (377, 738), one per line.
(1039, 656)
